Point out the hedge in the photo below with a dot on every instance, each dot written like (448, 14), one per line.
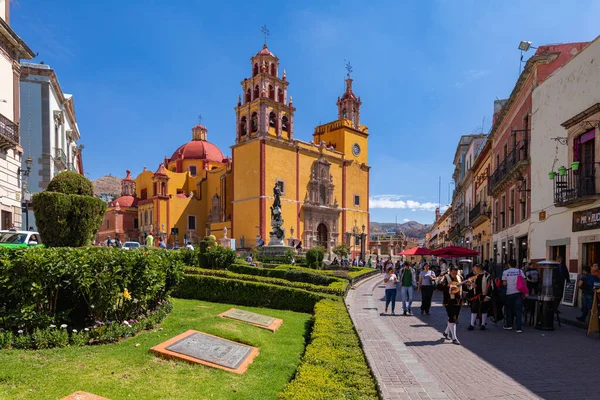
(305, 275)
(336, 287)
(40, 287)
(351, 274)
(333, 365)
(254, 294)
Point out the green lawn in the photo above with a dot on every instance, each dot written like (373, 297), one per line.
(127, 371)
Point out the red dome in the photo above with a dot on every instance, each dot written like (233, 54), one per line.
(198, 150)
(265, 52)
(125, 201)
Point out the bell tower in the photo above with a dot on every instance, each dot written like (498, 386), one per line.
(349, 105)
(264, 108)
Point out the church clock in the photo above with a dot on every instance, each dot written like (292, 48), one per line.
(355, 149)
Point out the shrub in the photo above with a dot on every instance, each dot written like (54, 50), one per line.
(315, 257)
(341, 250)
(252, 294)
(287, 274)
(336, 287)
(40, 287)
(66, 214)
(70, 182)
(333, 365)
(218, 257)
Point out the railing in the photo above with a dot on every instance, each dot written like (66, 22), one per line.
(475, 212)
(60, 157)
(575, 184)
(519, 153)
(8, 129)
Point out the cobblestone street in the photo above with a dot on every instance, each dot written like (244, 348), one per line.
(411, 361)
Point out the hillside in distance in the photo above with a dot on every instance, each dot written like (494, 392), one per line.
(411, 229)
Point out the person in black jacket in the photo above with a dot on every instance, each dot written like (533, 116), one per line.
(561, 276)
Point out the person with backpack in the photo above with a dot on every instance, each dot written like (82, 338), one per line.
(514, 298)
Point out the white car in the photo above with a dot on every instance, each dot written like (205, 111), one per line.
(13, 238)
(131, 245)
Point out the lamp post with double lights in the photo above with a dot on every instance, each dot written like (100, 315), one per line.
(24, 173)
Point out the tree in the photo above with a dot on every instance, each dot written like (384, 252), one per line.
(67, 214)
(341, 250)
(315, 256)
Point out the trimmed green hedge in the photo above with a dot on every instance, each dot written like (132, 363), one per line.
(333, 366)
(246, 293)
(298, 274)
(336, 287)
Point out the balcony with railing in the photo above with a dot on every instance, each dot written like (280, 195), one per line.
(576, 187)
(517, 156)
(478, 214)
(9, 134)
(60, 158)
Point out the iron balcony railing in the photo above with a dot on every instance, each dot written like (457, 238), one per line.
(60, 157)
(573, 185)
(520, 152)
(9, 130)
(475, 212)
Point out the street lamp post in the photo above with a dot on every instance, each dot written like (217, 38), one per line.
(24, 202)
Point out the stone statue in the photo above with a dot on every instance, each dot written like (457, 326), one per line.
(277, 234)
(225, 233)
(277, 196)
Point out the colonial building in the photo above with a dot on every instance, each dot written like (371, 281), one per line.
(481, 208)
(510, 181)
(49, 129)
(439, 230)
(565, 197)
(12, 50)
(121, 217)
(324, 183)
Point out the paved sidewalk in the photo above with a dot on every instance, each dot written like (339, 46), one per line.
(411, 361)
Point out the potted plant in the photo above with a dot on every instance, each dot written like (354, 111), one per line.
(551, 174)
(575, 165)
(562, 170)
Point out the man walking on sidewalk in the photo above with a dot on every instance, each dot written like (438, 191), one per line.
(408, 280)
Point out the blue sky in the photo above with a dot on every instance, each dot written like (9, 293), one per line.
(427, 72)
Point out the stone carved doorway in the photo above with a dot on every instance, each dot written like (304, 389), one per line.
(322, 235)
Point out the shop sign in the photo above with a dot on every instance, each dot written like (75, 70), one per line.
(586, 219)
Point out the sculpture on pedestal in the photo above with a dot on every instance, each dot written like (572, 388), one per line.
(277, 234)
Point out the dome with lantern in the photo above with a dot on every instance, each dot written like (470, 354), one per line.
(198, 148)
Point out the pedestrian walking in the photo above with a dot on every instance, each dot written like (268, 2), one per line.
(481, 299)
(562, 278)
(586, 284)
(408, 281)
(514, 299)
(450, 283)
(426, 287)
(532, 276)
(391, 284)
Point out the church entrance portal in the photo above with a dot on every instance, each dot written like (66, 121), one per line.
(322, 235)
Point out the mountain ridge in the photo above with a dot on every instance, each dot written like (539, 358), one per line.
(412, 229)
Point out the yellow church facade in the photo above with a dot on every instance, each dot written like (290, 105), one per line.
(324, 183)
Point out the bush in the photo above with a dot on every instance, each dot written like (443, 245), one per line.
(67, 214)
(70, 182)
(40, 287)
(341, 250)
(287, 274)
(315, 257)
(354, 274)
(252, 294)
(336, 288)
(333, 365)
(218, 257)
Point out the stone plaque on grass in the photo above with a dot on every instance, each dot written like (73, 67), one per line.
(83, 396)
(262, 321)
(213, 351)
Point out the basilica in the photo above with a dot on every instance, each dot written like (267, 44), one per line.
(324, 183)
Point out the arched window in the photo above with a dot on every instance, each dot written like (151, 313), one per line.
(146, 217)
(255, 70)
(285, 124)
(193, 170)
(280, 92)
(344, 114)
(256, 92)
(243, 126)
(273, 69)
(254, 122)
(271, 92)
(163, 188)
(248, 96)
(272, 119)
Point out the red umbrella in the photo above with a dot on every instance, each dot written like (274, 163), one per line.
(416, 251)
(455, 251)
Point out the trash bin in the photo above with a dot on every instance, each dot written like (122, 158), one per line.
(545, 306)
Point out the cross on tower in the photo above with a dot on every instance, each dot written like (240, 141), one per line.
(200, 119)
(348, 69)
(265, 32)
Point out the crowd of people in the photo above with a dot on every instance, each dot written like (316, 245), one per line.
(497, 291)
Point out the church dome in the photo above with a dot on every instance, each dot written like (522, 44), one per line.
(198, 148)
(265, 52)
(124, 201)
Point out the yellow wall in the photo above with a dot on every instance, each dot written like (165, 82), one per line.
(246, 182)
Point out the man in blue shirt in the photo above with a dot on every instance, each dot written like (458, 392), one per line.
(586, 284)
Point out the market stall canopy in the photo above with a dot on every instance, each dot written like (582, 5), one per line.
(455, 251)
(416, 251)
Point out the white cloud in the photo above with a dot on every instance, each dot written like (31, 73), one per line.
(470, 76)
(396, 201)
(405, 220)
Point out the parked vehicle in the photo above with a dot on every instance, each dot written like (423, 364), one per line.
(131, 245)
(14, 239)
